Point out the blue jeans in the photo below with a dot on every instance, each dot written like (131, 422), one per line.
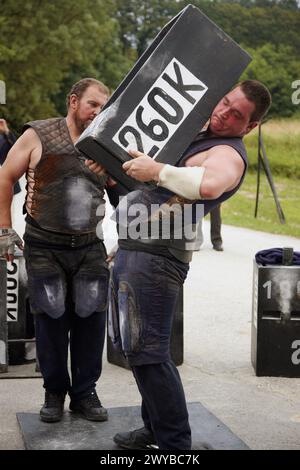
(144, 293)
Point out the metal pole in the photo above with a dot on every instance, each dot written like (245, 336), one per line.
(258, 173)
(267, 169)
(264, 162)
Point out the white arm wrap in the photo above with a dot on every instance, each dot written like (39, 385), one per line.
(184, 181)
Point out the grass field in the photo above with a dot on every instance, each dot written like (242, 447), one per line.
(282, 143)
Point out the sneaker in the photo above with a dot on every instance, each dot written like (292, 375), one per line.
(53, 408)
(90, 407)
(138, 439)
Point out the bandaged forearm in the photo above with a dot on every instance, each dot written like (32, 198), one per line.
(184, 181)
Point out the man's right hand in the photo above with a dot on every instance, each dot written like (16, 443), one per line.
(8, 239)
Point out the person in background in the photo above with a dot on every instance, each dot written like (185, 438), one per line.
(215, 230)
(7, 140)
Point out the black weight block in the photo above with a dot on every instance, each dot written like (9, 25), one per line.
(275, 337)
(167, 97)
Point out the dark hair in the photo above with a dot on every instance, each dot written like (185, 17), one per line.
(259, 94)
(80, 87)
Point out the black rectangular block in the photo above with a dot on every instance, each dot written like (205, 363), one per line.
(168, 95)
(14, 312)
(275, 337)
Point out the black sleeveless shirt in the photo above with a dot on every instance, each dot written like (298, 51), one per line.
(175, 245)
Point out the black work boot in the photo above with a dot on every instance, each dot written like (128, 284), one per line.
(141, 439)
(218, 246)
(90, 407)
(53, 408)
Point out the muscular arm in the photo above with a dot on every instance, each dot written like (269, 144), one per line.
(16, 164)
(224, 168)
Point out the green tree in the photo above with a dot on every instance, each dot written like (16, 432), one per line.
(254, 26)
(42, 43)
(285, 4)
(278, 69)
(141, 20)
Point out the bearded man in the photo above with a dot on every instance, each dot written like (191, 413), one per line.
(65, 260)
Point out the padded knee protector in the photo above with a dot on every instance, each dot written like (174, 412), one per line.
(47, 293)
(90, 293)
(129, 319)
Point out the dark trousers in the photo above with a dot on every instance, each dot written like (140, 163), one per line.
(164, 408)
(86, 347)
(145, 289)
(215, 225)
(215, 228)
(68, 288)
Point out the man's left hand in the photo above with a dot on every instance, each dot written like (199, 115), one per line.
(100, 171)
(142, 167)
(4, 127)
(95, 167)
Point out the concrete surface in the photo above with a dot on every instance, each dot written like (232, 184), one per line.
(262, 411)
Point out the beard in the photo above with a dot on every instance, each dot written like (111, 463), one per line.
(80, 124)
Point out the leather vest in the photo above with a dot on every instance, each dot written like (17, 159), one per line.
(63, 192)
(182, 240)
